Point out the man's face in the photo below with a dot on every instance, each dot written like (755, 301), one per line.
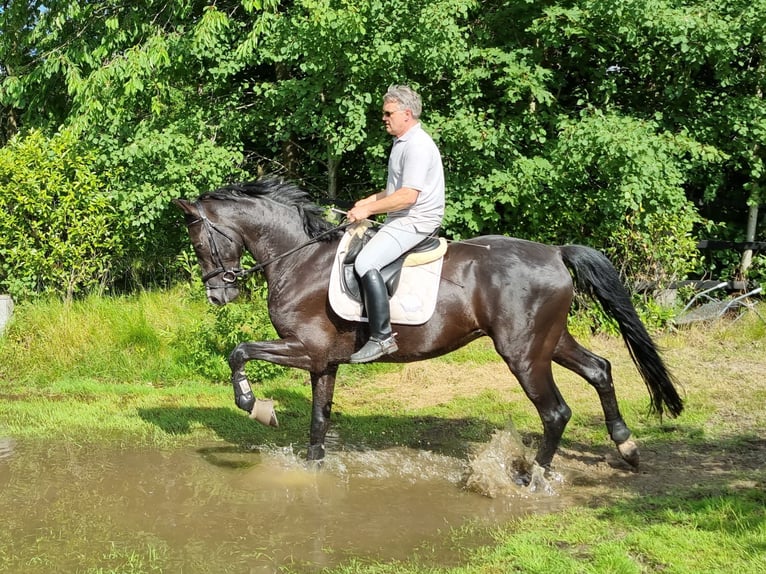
(397, 121)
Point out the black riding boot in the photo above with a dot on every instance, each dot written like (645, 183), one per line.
(381, 340)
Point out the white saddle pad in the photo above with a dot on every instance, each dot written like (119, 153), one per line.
(412, 304)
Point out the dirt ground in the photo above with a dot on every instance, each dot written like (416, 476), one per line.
(718, 442)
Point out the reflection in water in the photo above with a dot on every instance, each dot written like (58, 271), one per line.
(70, 508)
(6, 447)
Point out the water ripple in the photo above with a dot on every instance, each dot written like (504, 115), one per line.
(7, 446)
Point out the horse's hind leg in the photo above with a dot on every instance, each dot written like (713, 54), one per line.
(539, 386)
(536, 379)
(598, 372)
(322, 390)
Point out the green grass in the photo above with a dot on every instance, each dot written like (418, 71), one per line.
(122, 339)
(693, 531)
(113, 370)
(720, 531)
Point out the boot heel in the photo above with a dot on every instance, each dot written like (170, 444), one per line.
(374, 349)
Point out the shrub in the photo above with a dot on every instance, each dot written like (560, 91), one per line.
(59, 230)
(205, 348)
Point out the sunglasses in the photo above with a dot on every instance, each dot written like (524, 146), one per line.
(387, 114)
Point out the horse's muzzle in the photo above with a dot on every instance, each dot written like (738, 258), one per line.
(219, 296)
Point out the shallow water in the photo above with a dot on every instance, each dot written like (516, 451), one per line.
(217, 508)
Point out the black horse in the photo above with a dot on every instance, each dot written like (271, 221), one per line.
(517, 292)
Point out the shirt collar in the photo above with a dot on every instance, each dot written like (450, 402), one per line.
(409, 133)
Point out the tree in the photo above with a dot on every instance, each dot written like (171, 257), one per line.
(611, 123)
(692, 68)
(126, 79)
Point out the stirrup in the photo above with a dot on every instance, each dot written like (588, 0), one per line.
(374, 349)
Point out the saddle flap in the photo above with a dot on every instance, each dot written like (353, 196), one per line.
(350, 282)
(412, 288)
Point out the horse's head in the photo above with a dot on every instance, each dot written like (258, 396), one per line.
(218, 248)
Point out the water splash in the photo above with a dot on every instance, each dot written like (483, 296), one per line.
(505, 467)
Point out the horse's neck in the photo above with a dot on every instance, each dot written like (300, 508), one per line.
(266, 243)
(273, 241)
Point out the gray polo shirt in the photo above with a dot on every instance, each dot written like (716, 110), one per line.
(415, 162)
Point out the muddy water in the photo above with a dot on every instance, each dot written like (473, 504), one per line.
(216, 508)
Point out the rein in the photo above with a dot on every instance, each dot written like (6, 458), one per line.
(230, 276)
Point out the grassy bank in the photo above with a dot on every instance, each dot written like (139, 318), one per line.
(711, 531)
(128, 371)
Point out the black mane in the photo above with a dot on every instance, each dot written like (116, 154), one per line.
(286, 193)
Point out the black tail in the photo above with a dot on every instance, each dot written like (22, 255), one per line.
(595, 275)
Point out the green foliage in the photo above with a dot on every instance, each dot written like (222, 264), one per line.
(59, 227)
(588, 318)
(550, 128)
(156, 167)
(206, 346)
(130, 89)
(162, 337)
(696, 69)
(331, 62)
(619, 182)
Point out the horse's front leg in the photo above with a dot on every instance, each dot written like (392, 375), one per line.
(285, 352)
(322, 389)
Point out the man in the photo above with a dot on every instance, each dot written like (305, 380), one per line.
(414, 203)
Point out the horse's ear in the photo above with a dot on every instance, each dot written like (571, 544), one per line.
(187, 207)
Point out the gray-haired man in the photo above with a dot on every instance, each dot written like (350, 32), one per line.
(414, 203)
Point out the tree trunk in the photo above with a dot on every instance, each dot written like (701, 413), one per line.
(332, 176)
(289, 149)
(755, 199)
(752, 220)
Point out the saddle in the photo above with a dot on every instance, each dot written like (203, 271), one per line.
(428, 250)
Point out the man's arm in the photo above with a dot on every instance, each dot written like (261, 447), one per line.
(380, 203)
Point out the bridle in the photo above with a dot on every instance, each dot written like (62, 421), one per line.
(231, 275)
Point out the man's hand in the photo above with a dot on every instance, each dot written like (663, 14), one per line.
(358, 213)
(402, 198)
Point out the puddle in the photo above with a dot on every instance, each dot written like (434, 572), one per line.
(216, 508)
(6, 447)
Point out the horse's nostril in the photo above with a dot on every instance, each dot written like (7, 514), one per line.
(221, 296)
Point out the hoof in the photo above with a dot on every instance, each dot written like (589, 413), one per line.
(537, 479)
(315, 453)
(629, 452)
(263, 412)
(522, 479)
(314, 465)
